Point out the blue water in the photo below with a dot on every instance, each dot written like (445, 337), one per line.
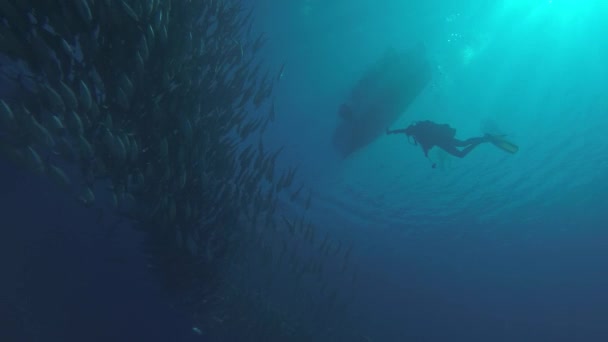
(492, 247)
(70, 276)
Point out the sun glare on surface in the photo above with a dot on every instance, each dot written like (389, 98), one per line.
(562, 16)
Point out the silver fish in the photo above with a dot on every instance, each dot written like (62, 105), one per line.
(139, 63)
(66, 47)
(54, 99)
(151, 36)
(84, 10)
(7, 118)
(33, 159)
(74, 123)
(163, 34)
(87, 197)
(122, 99)
(86, 149)
(56, 124)
(58, 176)
(40, 133)
(68, 96)
(85, 96)
(130, 12)
(143, 48)
(126, 84)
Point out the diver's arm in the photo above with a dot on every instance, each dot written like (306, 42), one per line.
(395, 131)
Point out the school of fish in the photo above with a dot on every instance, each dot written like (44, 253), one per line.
(157, 109)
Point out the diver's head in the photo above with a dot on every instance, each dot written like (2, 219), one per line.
(409, 131)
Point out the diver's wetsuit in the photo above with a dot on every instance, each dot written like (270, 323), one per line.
(429, 134)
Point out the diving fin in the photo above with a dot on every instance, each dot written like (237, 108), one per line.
(503, 144)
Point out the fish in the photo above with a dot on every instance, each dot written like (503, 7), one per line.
(308, 200)
(134, 150)
(122, 99)
(53, 99)
(295, 194)
(39, 133)
(126, 85)
(143, 48)
(281, 72)
(68, 96)
(7, 118)
(84, 10)
(33, 160)
(58, 176)
(164, 113)
(120, 152)
(150, 35)
(56, 124)
(74, 124)
(67, 48)
(87, 197)
(129, 11)
(85, 95)
(163, 34)
(139, 63)
(86, 150)
(272, 114)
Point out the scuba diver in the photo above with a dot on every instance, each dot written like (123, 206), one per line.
(429, 134)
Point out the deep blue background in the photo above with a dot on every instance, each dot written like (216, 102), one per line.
(68, 276)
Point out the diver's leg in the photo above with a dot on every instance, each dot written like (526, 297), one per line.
(451, 149)
(470, 141)
(468, 149)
